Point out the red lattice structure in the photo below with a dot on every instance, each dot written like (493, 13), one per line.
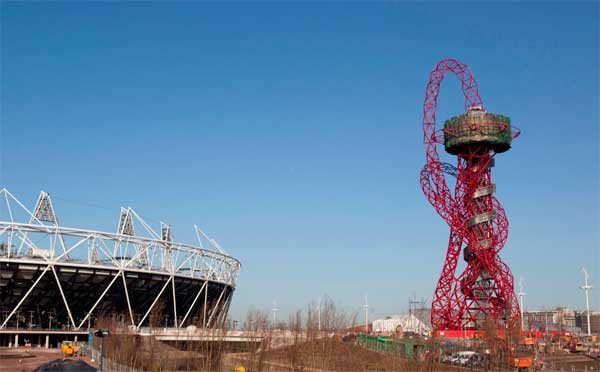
(484, 291)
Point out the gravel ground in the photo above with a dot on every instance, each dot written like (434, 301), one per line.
(67, 365)
(29, 360)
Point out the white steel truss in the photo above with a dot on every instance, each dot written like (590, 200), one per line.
(36, 238)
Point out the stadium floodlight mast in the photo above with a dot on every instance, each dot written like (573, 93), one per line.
(586, 287)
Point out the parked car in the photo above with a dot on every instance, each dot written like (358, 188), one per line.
(450, 358)
(462, 357)
(468, 358)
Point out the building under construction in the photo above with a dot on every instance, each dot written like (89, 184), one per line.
(463, 196)
(56, 281)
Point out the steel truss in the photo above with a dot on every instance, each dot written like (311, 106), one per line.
(34, 248)
(485, 290)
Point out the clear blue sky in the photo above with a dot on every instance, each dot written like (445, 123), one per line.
(292, 134)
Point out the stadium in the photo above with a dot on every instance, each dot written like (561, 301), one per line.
(59, 280)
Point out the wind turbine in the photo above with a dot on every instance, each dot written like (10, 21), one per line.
(586, 287)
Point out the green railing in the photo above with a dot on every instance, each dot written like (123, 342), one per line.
(404, 346)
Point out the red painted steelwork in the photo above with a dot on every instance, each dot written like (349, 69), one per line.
(484, 291)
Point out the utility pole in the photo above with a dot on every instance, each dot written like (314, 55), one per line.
(421, 324)
(521, 295)
(366, 306)
(412, 302)
(586, 287)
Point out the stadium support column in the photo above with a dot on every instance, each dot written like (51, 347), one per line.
(16, 340)
(47, 341)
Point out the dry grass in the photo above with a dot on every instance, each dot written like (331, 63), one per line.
(310, 340)
(322, 342)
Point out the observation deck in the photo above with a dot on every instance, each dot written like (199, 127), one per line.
(476, 127)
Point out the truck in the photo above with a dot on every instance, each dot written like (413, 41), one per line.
(69, 349)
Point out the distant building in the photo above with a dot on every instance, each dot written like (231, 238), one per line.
(559, 319)
(401, 324)
(581, 321)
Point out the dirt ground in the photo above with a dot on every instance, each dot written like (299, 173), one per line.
(332, 355)
(27, 360)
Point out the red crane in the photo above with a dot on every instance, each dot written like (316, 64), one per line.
(484, 291)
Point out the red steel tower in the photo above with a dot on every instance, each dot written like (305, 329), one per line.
(478, 225)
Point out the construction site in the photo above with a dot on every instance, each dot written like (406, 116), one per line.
(299, 186)
(135, 299)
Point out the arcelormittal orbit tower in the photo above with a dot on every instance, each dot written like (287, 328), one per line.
(484, 291)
